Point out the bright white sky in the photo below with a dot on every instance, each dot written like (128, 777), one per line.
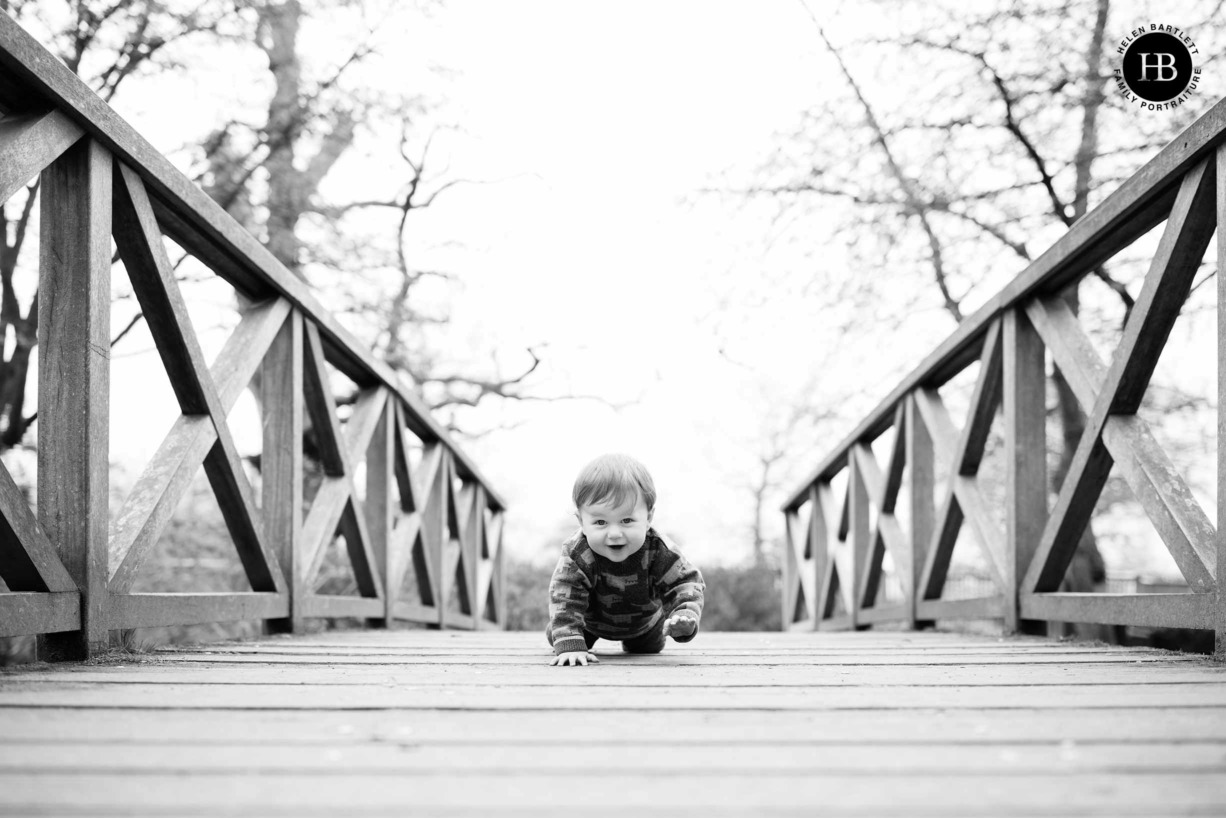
(600, 121)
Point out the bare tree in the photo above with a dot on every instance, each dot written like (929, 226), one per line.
(994, 141)
(124, 38)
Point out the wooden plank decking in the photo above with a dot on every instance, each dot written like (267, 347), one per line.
(439, 723)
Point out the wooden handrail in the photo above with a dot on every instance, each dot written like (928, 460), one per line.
(835, 557)
(1133, 209)
(201, 226)
(70, 573)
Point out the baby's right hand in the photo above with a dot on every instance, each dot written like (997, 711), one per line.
(574, 657)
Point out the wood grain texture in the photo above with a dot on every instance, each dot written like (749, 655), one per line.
(29, 143)
(281, 462)
(840, 724)
(27, 613)
(1025, 404)
(1151, 610)
(1220, 534)
(379, 505)
(858, 535)
(922, 466)
(161, 610)
(74, 337)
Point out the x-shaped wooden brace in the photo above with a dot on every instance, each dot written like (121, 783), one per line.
(201, 434)
(1113, 431)
(336, 506)
(800, 601)
(835, 578)
(964, 452)
(882, 491)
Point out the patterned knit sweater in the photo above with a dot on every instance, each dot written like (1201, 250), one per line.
(619, 600)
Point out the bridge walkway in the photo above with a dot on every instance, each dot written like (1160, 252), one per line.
(417, 722)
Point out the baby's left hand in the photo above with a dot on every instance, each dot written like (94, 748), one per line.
(680, 625)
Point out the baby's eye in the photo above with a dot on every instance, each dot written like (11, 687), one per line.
(627, 521)
(598, 522)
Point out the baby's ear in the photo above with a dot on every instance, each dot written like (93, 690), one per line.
(650, 513)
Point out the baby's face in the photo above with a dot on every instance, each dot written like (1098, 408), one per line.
(615, 532)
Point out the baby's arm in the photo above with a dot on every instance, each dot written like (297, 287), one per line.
(682, 592)
(568, 596)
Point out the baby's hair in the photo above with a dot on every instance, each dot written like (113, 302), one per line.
(616, 477)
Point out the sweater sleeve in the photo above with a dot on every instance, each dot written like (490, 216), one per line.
(569, 589)
(681, 589)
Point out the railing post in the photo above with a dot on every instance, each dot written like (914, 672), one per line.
(1025, 401)
(74, 339)
(859, 532)
(378, 504)
(791, 573)
(281, 463)
(921, 461)
(1220, 642)
(820, 548)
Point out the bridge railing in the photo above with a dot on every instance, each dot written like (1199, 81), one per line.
(405, 499)
(844, 518)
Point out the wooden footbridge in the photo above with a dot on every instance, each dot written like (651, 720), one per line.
(438, 723)
(432, 711)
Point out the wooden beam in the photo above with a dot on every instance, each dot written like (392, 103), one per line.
(1179, 254)
(981, 608)
(1025, 390)
(921, 461)
(1146, 610)
(28, 561)
(321, 523)
(29, 143)
(984, 401)
(1220, 532)
(30, 614)
(281, 465)
(887, 613)
(817, 543)
(886, 533)
(362, 423)
(144, 254)
(74, 339)
(321, 405)
(1169, 504)
(414, 612)
(987, 534)
(1130, 211)
(357, 545)
(1157, 485)
(940, 550)
(1070, 347)
(204, 229)
(404, 480)
(153, 499)
(356, 607)
(379, 505)
(858, 535)
(170, 610)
